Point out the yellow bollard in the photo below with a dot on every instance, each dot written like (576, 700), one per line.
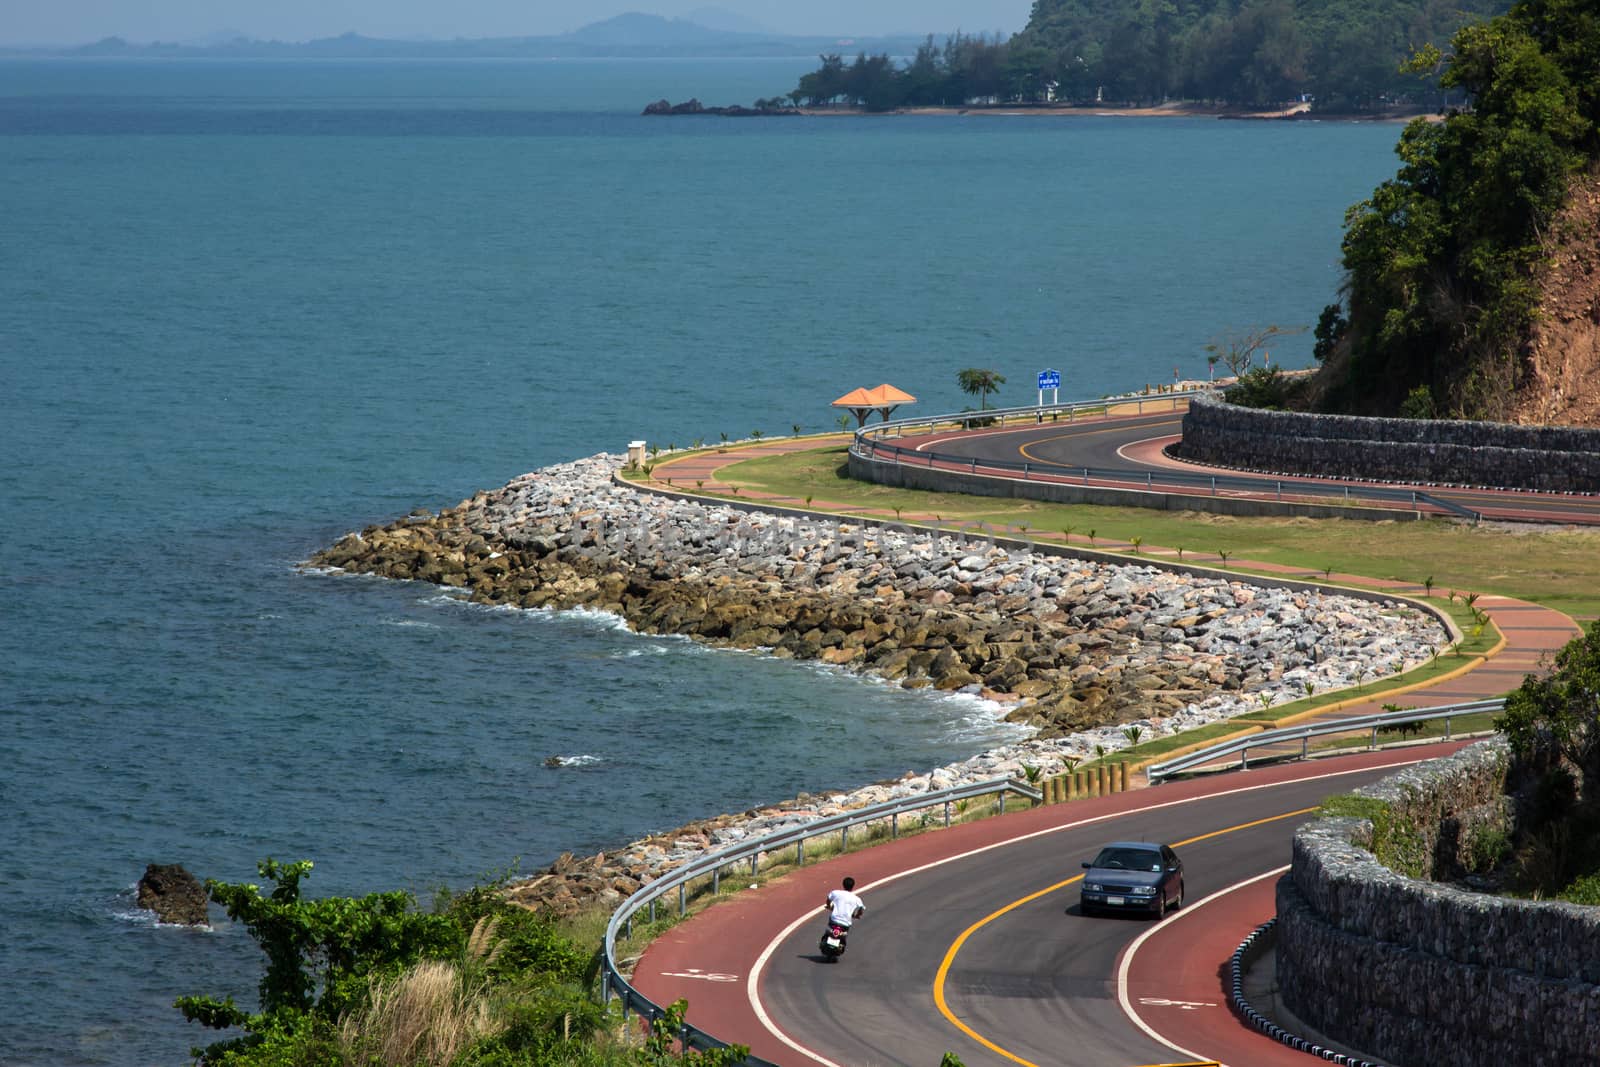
(1077, 785)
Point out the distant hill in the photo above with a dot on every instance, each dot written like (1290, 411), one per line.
(634, 35)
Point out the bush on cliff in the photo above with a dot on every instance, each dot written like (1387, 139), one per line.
(1553, 725)
(374, 982)
(1441, 260)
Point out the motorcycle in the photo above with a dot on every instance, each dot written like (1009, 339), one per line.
(833, 939)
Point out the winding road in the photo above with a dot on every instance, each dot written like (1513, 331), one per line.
(1127, 451)
(973, 942)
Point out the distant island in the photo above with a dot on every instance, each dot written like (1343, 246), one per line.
(630, 36)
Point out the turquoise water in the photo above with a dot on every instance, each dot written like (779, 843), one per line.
(247, 307)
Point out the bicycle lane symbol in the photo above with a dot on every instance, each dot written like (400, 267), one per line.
(704, 976)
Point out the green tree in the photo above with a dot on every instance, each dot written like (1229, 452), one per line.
(320, 953)
(1559, 714)
(980, 383)
(1440, 259)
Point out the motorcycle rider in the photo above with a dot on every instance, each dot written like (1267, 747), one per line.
(844, 907)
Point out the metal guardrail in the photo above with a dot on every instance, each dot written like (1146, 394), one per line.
(712, 864)
(869, 444)
(1033, 412)
(1157, 772)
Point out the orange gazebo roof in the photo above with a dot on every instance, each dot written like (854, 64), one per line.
(855, 398)
(888, 394)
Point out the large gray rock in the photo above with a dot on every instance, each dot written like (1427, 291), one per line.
(175, 895)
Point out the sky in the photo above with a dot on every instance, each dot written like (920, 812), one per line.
(81, 21)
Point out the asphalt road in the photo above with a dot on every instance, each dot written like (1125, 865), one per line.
(985, 953)
(1132, 446)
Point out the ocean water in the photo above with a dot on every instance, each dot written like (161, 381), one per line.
(246, 307)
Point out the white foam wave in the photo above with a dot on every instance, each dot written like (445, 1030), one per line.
(582, 760)
(409, 623)
(635, 653)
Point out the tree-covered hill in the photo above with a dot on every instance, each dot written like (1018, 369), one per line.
(1345, 55)
(1479, 256)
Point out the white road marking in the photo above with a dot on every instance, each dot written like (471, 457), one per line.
(1133, 947)
(1186, 1005)
(695, 972)
(751, 983)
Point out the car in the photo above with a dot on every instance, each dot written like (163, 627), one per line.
(1138, 876)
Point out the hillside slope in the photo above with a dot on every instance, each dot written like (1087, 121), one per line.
(1562, 383)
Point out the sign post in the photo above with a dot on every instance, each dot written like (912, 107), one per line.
(1051, 380)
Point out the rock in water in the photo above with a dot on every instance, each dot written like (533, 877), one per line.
(175, 895)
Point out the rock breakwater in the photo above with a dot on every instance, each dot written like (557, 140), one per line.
(1076, 649)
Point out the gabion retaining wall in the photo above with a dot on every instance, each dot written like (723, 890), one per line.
(1419, 973)
(1438, 452)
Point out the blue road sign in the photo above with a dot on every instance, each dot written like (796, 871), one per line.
(1049, 379)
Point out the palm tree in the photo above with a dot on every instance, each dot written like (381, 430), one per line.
(980, 383)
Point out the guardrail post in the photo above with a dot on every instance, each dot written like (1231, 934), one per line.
(1024, 471)
(800, 853)
(1086, 476)
(683, 899)
(930, 459)
(1447, 727)
(1305, 747)
(716, 880)
(1244, 762)
(652, 911)
(844, 837)
(1213, 485)
(1374, 744)
(753, 861)
(1280, 490)
(894, 825)
(974, 464)
(947, 814)
(1002, 802)
(1149, 479)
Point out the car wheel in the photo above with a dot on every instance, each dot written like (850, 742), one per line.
(1161, 906)
(1179, 904)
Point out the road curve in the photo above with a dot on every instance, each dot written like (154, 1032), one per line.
(1036, 983)
(1128, 451)
(1031, 981)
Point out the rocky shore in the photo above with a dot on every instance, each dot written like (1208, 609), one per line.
(1076, 649)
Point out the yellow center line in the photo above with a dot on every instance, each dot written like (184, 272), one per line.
(950, 954)
(1090, 433)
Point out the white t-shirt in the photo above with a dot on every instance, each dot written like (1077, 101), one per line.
(844, 904)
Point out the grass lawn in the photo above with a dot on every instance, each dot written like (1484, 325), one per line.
(1558, 567)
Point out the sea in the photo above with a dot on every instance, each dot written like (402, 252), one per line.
(246, 307)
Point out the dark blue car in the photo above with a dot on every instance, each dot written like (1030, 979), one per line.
(1133, 876)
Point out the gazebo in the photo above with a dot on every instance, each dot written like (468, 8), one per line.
(882, 399)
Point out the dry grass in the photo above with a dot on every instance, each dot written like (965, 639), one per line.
(427, 1016)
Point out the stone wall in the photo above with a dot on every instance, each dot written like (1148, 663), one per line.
(1430, 452)
(1420, 973)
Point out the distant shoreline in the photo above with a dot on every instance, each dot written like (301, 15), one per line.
(1294, 113)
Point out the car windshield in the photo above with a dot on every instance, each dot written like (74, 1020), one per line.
(1129, 859)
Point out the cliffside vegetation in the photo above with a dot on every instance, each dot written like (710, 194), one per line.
(1553, 725)
(1345, 55)
(1446, 262)
(376, 982)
